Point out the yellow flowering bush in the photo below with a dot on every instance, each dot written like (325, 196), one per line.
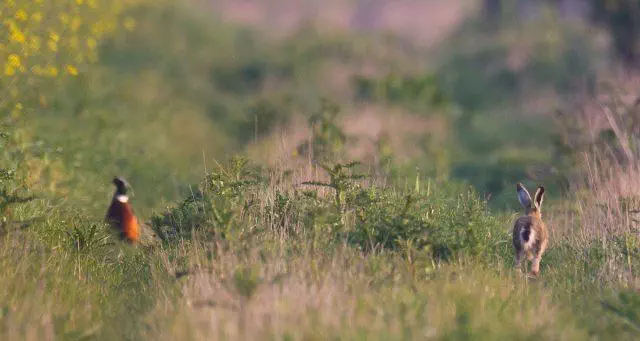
(42, 40)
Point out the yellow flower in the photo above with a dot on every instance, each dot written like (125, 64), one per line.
(14, 61)
(54, 36)
(35, 44)
(13, 64)
(72, 70)
(21, 15)
(53, 71)
(17, 36)
(9, 70)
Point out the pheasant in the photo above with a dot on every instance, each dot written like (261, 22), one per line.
(120, 214)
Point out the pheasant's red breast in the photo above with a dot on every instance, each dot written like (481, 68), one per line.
(120, 215)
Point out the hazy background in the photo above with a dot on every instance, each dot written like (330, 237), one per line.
(461, 89)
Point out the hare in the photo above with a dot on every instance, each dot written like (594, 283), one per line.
(530, 234)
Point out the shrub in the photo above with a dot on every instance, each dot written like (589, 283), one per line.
(232, 203)
(216, 207)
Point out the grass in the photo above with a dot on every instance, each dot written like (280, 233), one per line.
(264, 260)
(310, 246)
(343, 297)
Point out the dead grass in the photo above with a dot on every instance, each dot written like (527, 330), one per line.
(604, 206)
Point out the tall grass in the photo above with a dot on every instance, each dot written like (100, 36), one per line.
(246, 256)
(350, 295)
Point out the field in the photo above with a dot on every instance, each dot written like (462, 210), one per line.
(311, 182)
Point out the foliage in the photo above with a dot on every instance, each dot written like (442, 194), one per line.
(87, 239)
(341, 180)
(327, 137)
(368, 218)
(217, 208)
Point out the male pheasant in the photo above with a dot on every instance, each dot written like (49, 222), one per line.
(120, 214)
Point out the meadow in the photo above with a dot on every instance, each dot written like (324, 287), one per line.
(321, 184)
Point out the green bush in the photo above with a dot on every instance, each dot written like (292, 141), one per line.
(216, 209)
(445, 226)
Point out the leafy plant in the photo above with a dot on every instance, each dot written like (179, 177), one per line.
(327, 138)
(87, 239)
(342, 181)
(217, 207)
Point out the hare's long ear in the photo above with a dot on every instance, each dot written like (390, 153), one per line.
(539, 196)
(523, 196)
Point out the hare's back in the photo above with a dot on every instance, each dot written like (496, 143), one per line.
(522, 223)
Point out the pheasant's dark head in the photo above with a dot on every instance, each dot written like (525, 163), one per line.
(121, 185)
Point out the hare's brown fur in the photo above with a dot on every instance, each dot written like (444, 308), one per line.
(530, 235)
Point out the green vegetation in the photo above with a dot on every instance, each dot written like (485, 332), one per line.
(333, 229)
(247, 249)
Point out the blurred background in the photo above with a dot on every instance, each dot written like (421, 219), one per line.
(446, 103)
(463, 91)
